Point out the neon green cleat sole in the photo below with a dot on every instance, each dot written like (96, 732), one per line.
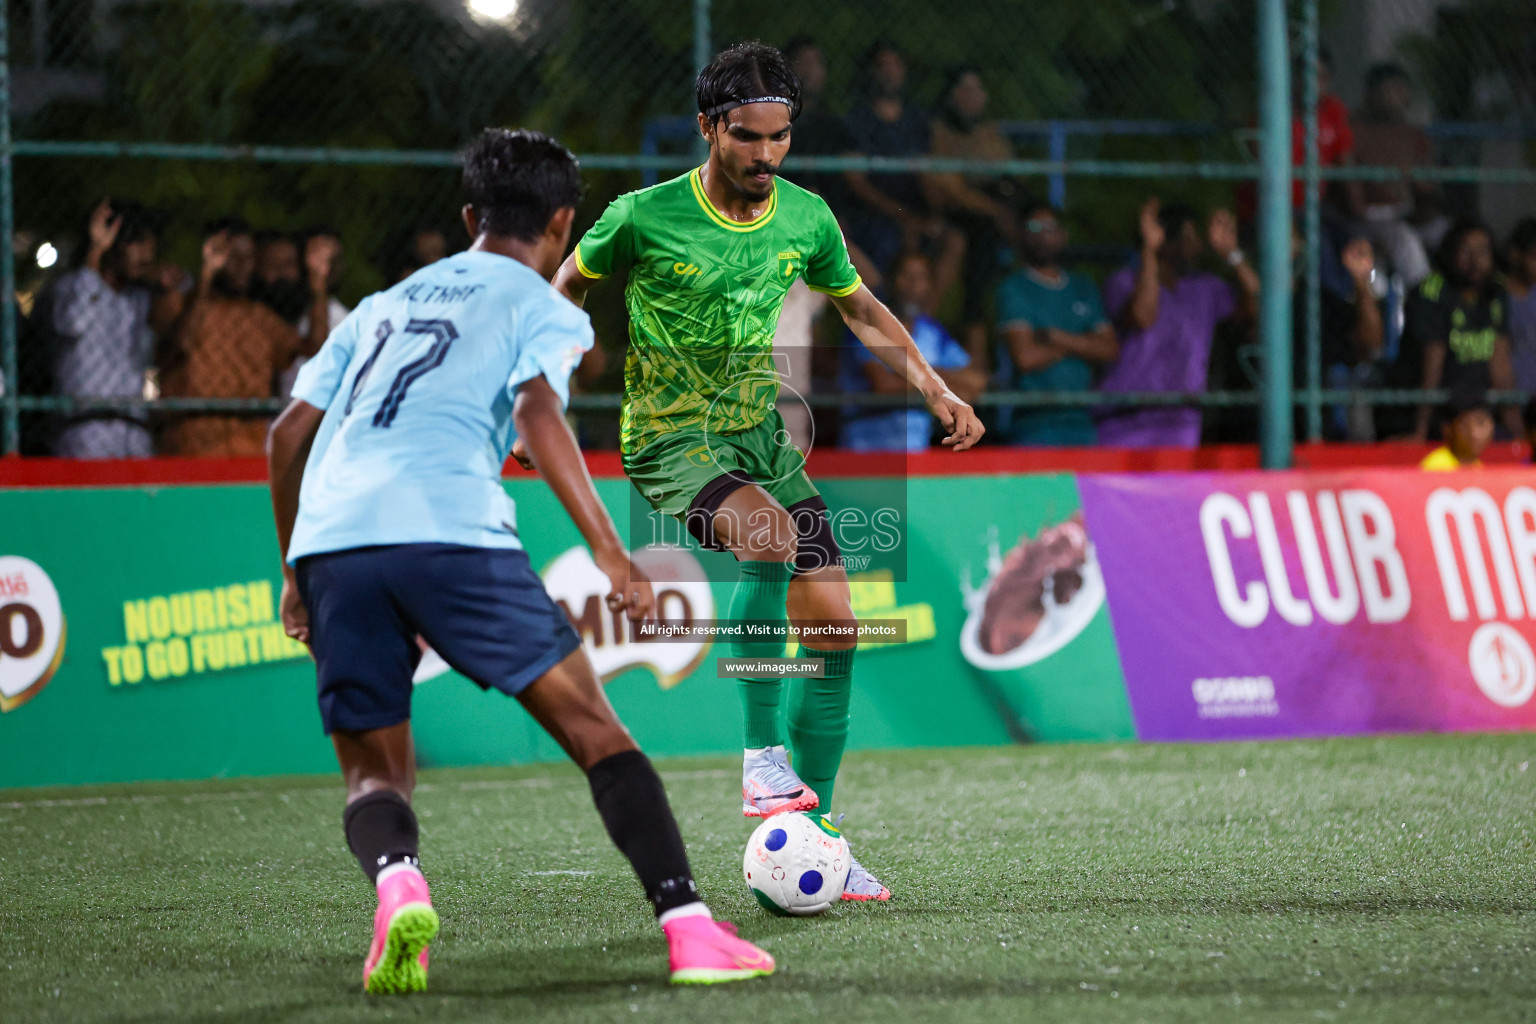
(399, 969)
(715, 975)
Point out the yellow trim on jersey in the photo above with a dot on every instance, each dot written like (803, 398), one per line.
(720, 219)
(839, 293)
(585, 271)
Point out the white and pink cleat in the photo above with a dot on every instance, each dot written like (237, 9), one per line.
(402, 926)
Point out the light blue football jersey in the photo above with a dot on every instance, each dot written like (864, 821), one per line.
(417, 386)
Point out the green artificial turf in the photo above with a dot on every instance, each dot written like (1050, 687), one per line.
(1372, 879)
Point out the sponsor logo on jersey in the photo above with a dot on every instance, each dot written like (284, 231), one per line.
(31, 631)
(686, 269)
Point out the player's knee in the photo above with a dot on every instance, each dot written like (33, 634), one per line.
(769, 536)
(816, 543)
(600, 743)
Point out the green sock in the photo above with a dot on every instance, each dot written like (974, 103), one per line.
(818, 722)
(760, 597)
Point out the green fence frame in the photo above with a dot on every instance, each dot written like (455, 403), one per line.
(1273, 172)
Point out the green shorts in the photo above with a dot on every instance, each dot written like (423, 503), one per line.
(674, 471)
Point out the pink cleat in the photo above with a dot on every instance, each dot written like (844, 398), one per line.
(403, 925)
(706, 952)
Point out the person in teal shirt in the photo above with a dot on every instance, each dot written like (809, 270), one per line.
(1054, 333)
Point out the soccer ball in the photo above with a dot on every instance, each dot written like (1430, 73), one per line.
(797, 864)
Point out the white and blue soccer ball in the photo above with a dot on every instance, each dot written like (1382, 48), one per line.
(797, 864)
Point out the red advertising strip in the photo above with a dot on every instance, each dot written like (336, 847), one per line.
(986, 460)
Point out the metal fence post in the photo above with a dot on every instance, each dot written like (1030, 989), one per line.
(702, 54)
(1314, 223)
(1276, 436)
(10, 442)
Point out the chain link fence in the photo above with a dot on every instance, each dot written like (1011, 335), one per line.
(325, 131)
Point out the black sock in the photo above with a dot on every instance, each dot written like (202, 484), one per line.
(381, 830)
(634, 808)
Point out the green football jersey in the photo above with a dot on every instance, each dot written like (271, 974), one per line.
(704, 296)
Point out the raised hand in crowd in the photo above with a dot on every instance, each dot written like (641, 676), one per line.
(1221, 233)
(321, 254)
(103, 231)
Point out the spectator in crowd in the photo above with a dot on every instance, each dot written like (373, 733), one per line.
(869, 429)
(1335, 135)
(1520, 283)
(1335, 139)
(278, 280)
(1055, 332)
(103, 320)
(1455, 325)
(298, 290)
(890, 212)
(1166, 311)
(1385, 138)
(1350, 334)
(228, 345)
(1468, 421)
(981, 205)
(817, 131)
(424, 247)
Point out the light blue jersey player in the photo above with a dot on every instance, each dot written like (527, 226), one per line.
(417, 386)
(393, 525)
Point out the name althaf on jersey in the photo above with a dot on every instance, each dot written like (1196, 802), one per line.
(417, 385)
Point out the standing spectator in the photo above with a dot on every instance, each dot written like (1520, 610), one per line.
(1521, 286)
(1335, 135)
(868, 429)
(1385, 138)
(1455, 326)
(423, 246)
(278, 280)
(102, 320)
(1350, 333)
(231, 346)
(295, 293)
(1468, 431)
(1055, 331)
(890, 212)
(1166, 312)
(981, 205)
(817, 131)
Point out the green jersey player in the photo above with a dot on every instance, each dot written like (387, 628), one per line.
(710, 257)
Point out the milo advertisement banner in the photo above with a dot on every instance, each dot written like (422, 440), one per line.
(139, 632)
(1307, 604)
(139, 635)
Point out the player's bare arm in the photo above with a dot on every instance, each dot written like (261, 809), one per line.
(882, 333)
(571, 282)
(288, 444)
(552, 450)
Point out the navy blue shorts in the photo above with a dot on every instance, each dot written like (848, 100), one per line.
(483, 609)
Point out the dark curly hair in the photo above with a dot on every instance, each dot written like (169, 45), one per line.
(516, 180)
(745, 72)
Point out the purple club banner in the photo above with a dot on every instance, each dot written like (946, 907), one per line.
(1255, 605)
